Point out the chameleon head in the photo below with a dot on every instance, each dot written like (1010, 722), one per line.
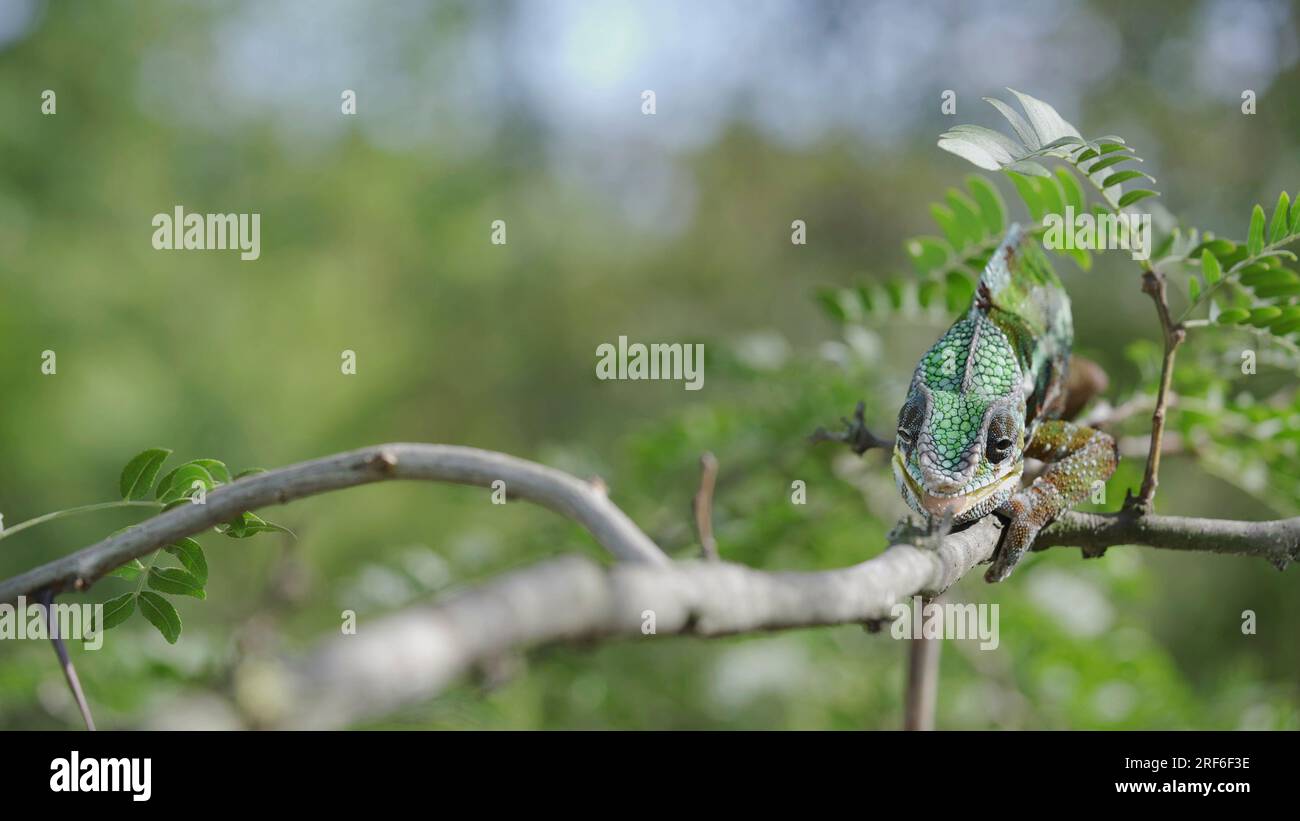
(961, 432)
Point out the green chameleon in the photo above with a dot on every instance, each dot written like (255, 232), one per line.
(991, 392)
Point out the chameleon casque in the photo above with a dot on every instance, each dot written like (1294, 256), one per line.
(988, 394)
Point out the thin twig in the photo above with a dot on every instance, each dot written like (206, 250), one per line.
(855, 434)
(1153, 284)
(73, 511)
(922, 677)
(69, 672)
(1106, 415)
(703, 506)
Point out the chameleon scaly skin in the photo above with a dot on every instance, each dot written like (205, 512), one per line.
(987, 395)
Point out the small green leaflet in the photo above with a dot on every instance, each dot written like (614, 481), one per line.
(161, 614)
(1210, 267)
(1072, 191)
(927, 253)
(1261, 317)
(129, 571)
(829, 299)
(1123, 176)
(250, 524)
(992, 210)
(176, 581)
(1255, 237)
(191, 555)
(139, 473)
(1107, 162)
(1277, 229)
(218, 470)
(118, 610)
(1135, 195)
(179, 484)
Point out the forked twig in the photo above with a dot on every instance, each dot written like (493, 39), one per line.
(855, 434)
(1153, 284)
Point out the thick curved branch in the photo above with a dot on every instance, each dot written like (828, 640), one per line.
(573, 498)
(414, 655)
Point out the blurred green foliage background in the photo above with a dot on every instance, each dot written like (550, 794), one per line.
(671, 227)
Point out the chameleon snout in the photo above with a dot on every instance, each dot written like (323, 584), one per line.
(941, 506)
(943, 484)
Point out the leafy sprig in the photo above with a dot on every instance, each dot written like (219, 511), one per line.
(1249, 284)
(188, 483)
(946, 265)
(1042, 133)
(1245, 284)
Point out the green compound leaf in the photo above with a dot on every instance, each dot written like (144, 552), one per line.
(138, 475)
(162, 615)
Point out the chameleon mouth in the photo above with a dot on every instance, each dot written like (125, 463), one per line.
(957, 504)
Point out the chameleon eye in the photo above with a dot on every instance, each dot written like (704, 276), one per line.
(999, 442)
(998, 449)
(909, 420)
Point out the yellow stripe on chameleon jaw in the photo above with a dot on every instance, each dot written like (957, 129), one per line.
(974, 497)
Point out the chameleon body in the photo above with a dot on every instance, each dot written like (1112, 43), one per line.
(989, 393)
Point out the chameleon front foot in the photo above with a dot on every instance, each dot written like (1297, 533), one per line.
(1016, 539)
(1078, 457)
